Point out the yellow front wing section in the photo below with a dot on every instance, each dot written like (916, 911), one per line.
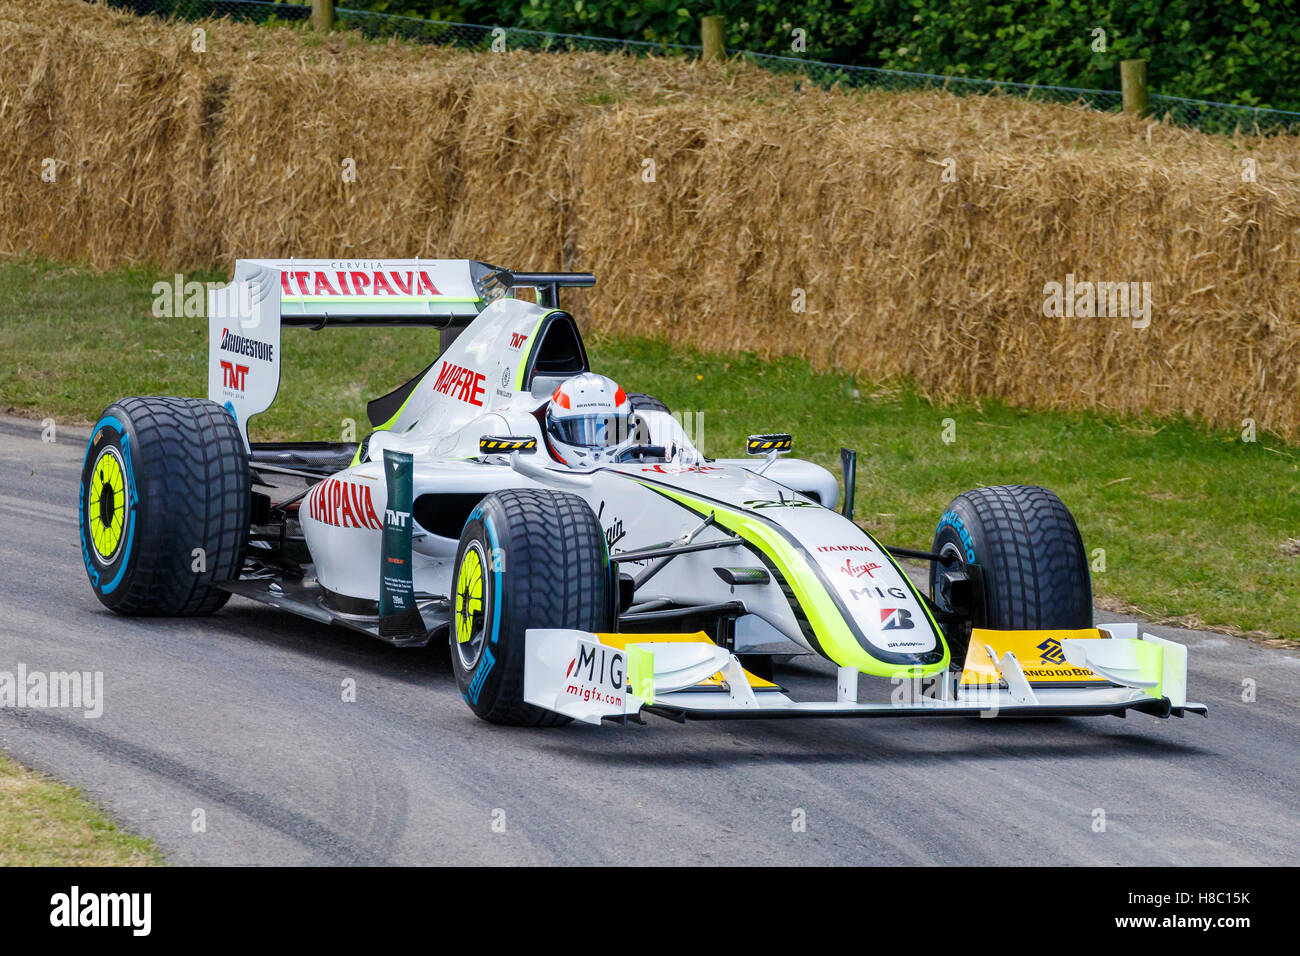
(1039, 654)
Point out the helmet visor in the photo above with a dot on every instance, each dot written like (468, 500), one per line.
(590, 431)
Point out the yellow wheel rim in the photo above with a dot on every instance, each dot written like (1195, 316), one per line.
(106, 504)
(469, 594)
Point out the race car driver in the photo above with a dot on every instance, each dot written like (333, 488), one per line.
(588, 420)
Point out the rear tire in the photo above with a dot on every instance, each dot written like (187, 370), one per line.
(1030, 555)
(527, 558)
(645, 403)
(163, 507)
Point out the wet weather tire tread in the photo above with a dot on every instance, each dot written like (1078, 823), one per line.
(192, 477)
(556, 575)
(1029, 548)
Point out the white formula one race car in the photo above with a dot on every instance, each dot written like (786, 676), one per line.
(578, 553)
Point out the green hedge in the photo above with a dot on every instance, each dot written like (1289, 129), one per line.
(1238, 51)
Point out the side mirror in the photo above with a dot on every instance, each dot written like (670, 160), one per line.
(505, 444)
(768, 444)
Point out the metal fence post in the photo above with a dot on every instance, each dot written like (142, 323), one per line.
(711, 36)
(1133, 84)
(322, 15)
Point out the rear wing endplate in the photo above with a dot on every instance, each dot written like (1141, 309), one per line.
(245, 316)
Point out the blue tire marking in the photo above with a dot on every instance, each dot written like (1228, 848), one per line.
(496, 580)
(484, 668)
(91, 570)
(952, 520)
(132, 496)
(487, 660)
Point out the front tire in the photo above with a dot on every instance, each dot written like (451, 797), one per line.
(163, 508)
(527, 558)
(1030, 557)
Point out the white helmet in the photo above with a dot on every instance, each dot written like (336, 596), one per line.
(588, 418)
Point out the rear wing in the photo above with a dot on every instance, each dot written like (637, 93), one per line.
(245, 317)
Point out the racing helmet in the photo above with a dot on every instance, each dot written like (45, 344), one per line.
(588, 417)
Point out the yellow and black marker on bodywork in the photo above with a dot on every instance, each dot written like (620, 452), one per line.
(765, 444)
(505, 444)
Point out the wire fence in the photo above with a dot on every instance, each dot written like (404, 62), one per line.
(1204, 115)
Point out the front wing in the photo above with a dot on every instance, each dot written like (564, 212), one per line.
(1091, 672)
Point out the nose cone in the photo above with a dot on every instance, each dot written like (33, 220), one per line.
(854, 604)
(865, 611)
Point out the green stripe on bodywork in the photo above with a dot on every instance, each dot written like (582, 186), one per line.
(388, 425)
(833, 632)
(532, 344)
(1151, 666)
(641, 673)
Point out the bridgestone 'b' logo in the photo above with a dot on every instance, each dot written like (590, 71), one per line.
(250, 347)
(896, 619)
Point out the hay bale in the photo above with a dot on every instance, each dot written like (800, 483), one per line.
(185, 160)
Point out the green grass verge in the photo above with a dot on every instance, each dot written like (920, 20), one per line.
(44, 823)
(1196, 526)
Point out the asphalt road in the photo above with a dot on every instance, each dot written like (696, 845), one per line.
(241, 716)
